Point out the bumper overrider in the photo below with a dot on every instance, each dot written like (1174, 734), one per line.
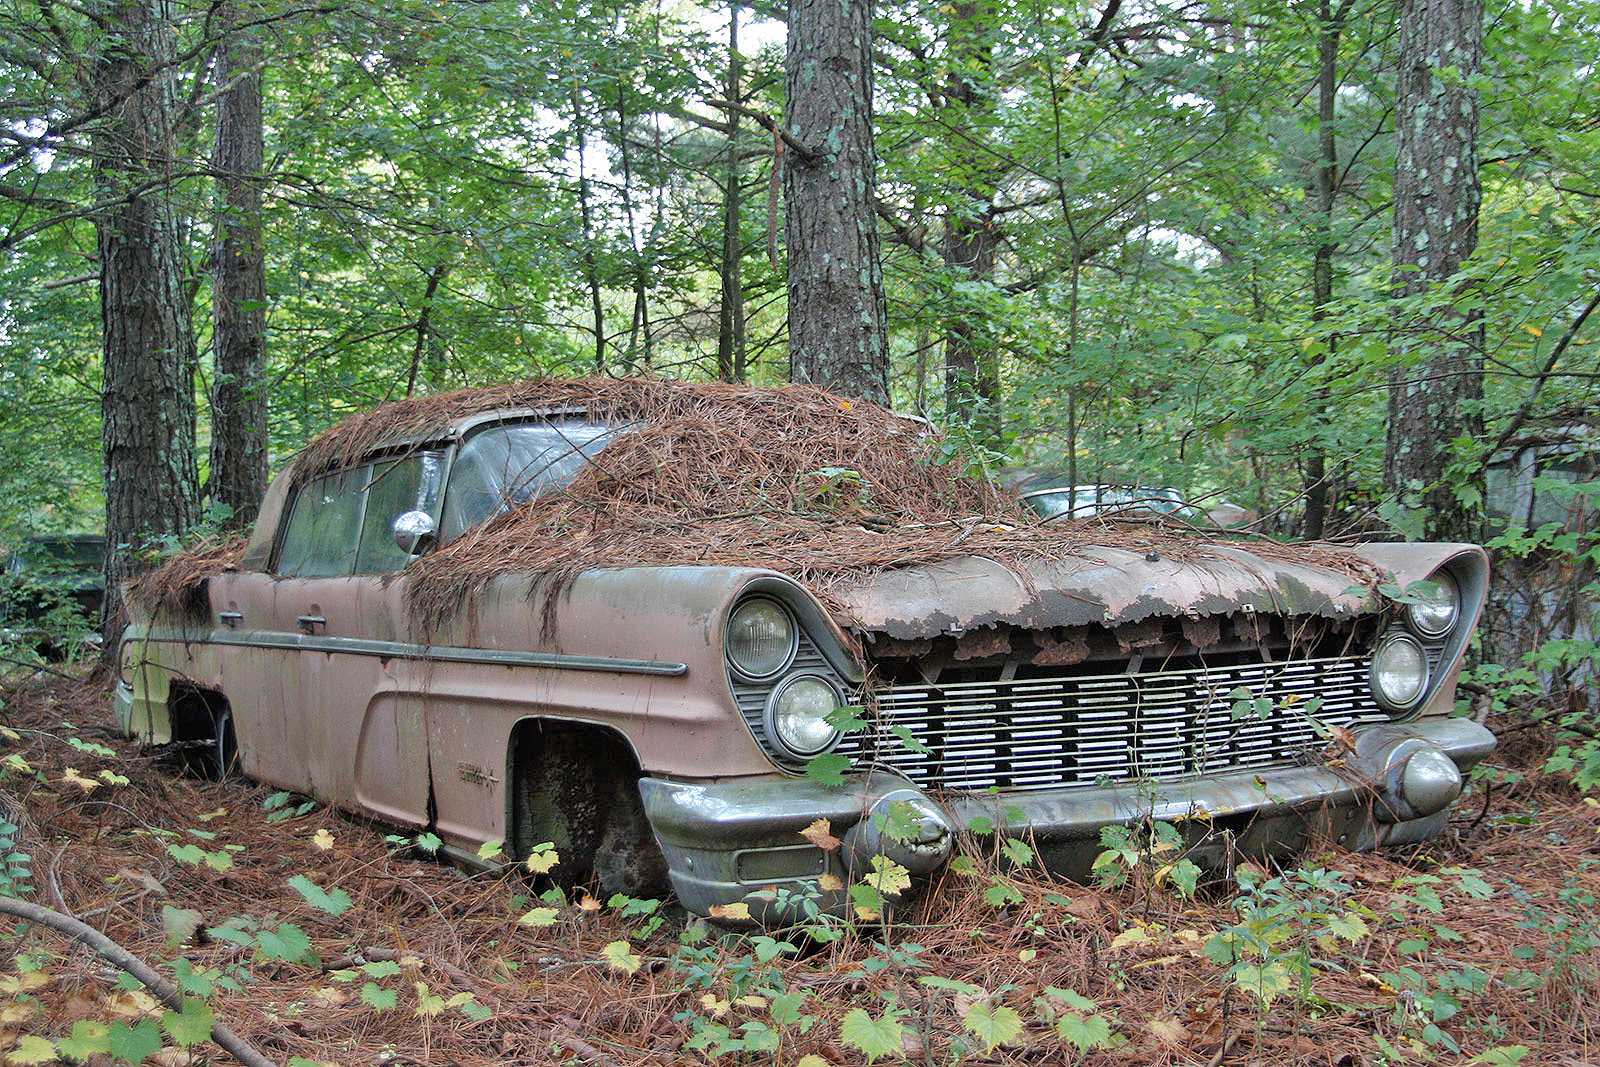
(737, 841)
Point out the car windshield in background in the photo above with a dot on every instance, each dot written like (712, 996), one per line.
(59, 555)
(502, 466)
(1087, 500)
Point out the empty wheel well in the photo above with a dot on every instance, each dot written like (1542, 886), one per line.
(193, 711)
(576, 785)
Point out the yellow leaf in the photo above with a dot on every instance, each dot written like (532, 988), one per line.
(812, 1060)
(1169, 1030)
(1027, 955)
(208, 816)
(844, 405)
(750, 1000)
(817, 833)
(867, 915)
(19, 1012)
(322, 839)
(539, 917)
(737, 910)
(458, 1000)
(829, 882)
(132, 1003)
(618, 955)
(88, 785)
(717, 1008)
(9, 734)
(328, 997)
(588, 903)
(1132, 936)
(31, 1050)
(541, 858)
(1534, 331)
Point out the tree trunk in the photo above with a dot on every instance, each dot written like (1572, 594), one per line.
(971, 361)
(1433, 400)
(1329, 26)
(730, 314)
(239, 282)
(838, 332)
(147, 403)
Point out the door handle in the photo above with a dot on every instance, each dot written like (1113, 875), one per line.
(309, 623)
(230, 619)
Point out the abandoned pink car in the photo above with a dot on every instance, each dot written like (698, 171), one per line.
(622, 618)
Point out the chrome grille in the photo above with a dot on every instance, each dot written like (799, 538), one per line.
(1041, 733)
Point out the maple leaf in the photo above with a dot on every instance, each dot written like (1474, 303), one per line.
(817, 833)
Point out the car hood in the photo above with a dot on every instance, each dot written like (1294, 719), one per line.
(1111, 586)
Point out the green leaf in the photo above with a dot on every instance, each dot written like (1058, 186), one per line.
(1266, 981)
(190, 1026)
(335, 902)
(1001, 894)
(88, 1038)
(429, 843)
(378, 998)
(1084, 1032)
(135, 1044)
(490, 849)
(380, 969)
(1347, 925)
(1072, 998)
(179, 923)
(288, 943)
(828, 768)
(1017, 851)
(908, 739)
(993, 1026)
(874, 1037)
(934, 981)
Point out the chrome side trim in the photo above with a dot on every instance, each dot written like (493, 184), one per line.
(355, 646)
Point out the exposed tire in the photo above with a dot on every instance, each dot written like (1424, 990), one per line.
(225, 747)
(578, 789)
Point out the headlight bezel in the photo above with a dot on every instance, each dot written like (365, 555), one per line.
(782, 742)
(1437, 632)
(1386, 699)
(743, 671)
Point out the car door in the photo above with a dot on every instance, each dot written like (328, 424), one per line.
(318, 674)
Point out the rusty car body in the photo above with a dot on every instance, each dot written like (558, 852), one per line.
(655, 722)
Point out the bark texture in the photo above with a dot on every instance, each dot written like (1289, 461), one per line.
(1433, 398)
(838, 336)
(239, 283)
(147, 402)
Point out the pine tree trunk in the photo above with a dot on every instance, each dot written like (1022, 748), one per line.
(147, 403)
(730, 313)
(239, 285)
(1433, 398)
(838, 333)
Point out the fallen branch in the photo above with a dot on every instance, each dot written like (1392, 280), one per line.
(108, 949)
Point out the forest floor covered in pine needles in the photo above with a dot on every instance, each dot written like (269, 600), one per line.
(322, 940)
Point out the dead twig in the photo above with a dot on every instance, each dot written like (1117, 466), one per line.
(114, 953)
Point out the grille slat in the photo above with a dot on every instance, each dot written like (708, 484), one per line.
(1044, 733)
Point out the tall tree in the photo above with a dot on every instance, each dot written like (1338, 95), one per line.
(838, 332)
(730, 313)
(147, 398)
(239, 279)
(1434, 400)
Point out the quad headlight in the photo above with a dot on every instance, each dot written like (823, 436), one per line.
(797, 715)
(1435, 614)
(761, 639)
(1399, 673)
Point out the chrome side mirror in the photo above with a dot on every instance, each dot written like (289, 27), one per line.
(415, 532)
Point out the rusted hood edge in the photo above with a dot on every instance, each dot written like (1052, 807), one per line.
(1110, 586)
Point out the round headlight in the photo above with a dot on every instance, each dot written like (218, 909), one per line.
(797, 715)
(761, 638)
(1399, 671)
(1434, 615)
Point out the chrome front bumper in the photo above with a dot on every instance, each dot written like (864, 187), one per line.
(725, 841)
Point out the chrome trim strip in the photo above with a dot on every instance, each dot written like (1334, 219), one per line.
(354, 646)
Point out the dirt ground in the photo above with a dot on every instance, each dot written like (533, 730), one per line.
(1483, 944)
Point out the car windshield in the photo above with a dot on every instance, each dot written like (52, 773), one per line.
(502, 466)
(1100, 500)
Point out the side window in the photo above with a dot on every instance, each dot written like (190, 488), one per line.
(410, 483)
(324, 527)
(343, 523)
